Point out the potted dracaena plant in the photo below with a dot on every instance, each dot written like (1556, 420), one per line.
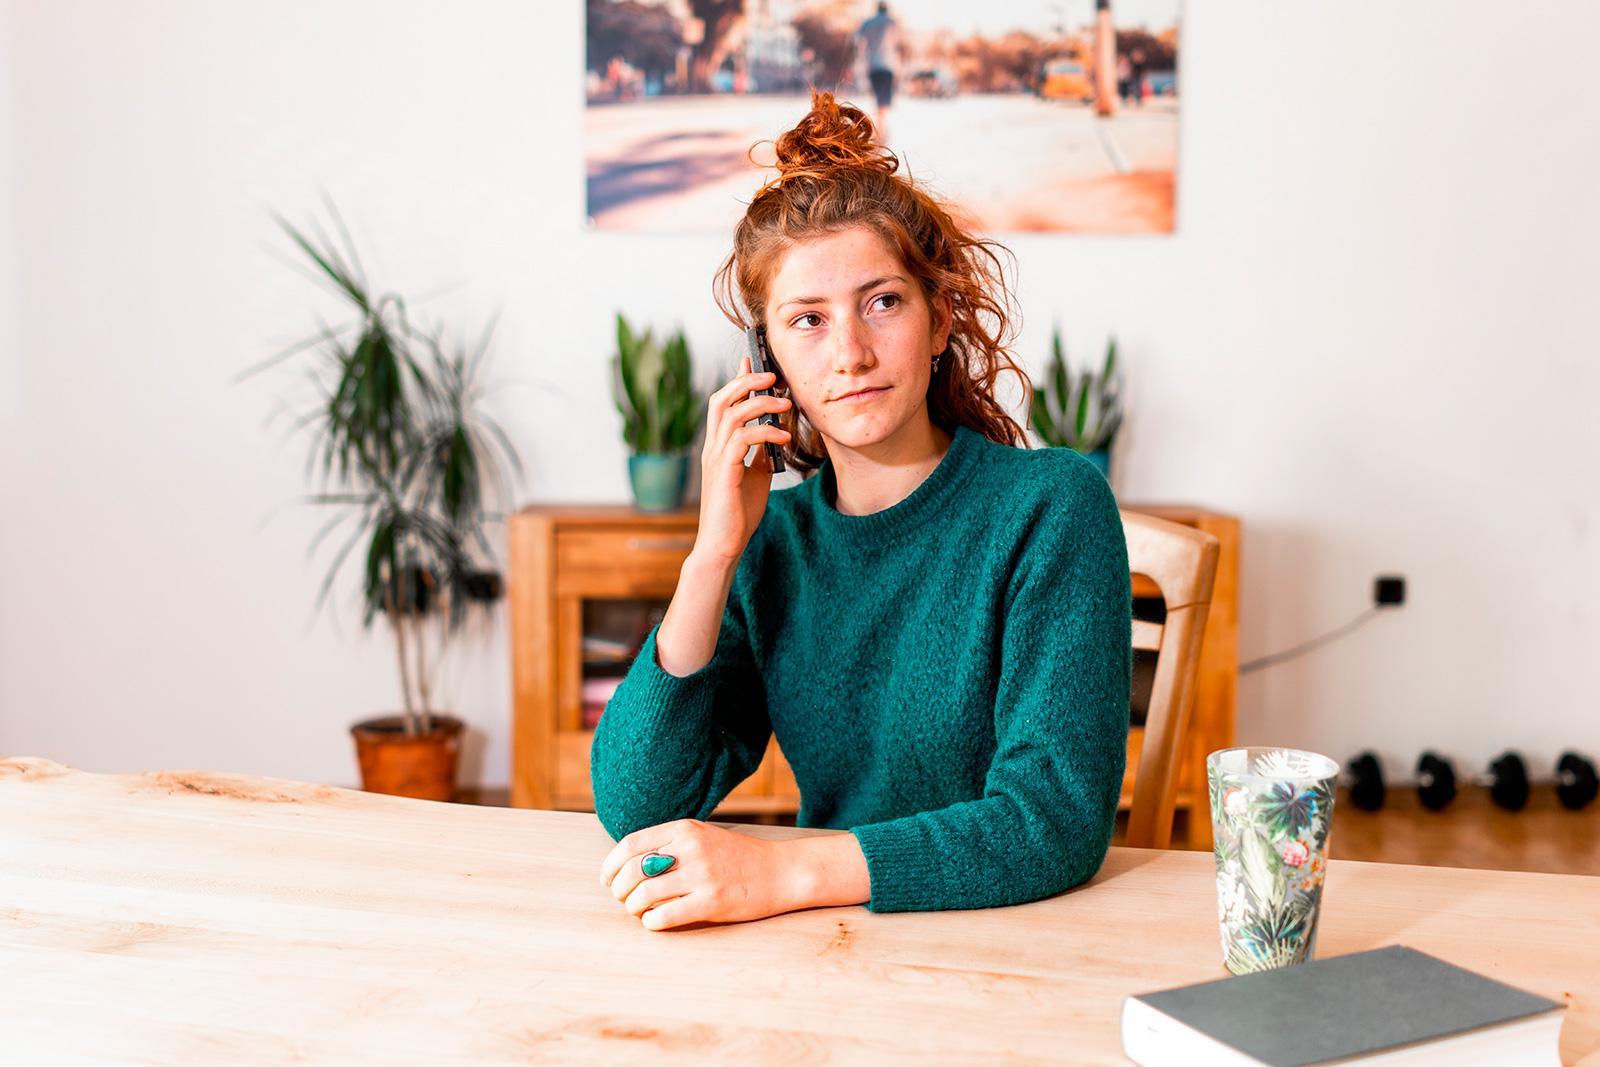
(661, 410)
(1082, 411)
(405, 455)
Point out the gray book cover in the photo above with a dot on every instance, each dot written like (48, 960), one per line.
(1347, 1005)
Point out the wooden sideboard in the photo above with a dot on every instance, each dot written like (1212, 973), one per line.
(561, 556)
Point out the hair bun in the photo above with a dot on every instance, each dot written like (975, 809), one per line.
(831, 135)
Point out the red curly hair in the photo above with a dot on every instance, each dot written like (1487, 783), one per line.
(833, 175)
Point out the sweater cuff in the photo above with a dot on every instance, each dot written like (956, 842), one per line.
(660, 679)
(901, 860)
(669, 702)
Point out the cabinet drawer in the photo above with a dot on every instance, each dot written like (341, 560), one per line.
(620, 562)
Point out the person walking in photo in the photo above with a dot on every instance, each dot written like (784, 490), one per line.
(881, 38)
(1137, 63)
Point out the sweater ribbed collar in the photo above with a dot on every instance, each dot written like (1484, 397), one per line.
(955, 467)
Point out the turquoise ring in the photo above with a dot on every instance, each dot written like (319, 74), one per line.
(656, 863)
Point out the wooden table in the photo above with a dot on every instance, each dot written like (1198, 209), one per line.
(186, 917)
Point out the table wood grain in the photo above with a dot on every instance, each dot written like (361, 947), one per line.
(193, 917)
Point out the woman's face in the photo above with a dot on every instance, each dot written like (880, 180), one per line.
(843, 315)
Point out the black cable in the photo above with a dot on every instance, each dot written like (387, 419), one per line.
(1276, 657)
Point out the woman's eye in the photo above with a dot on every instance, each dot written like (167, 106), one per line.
(895, 299)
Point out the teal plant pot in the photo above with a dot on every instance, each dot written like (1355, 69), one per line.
(1100, 457)
(658, 479)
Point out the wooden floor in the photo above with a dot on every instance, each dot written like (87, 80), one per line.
(1471, 832)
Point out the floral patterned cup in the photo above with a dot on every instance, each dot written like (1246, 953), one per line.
(1270, 813)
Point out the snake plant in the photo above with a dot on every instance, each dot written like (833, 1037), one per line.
(1080, 411)
(652, 388)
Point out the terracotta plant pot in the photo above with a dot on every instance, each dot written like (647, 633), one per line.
(423, 766)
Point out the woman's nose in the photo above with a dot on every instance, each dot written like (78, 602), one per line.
(852, 347)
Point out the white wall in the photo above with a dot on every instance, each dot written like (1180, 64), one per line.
(1372, 339)
(10, 266)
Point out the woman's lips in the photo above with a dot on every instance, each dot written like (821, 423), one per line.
(862, 398)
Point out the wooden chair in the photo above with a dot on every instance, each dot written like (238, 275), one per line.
(1182, 561)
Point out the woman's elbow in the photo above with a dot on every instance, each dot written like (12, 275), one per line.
(1077, 852)
(1085, 863)
(615, 818)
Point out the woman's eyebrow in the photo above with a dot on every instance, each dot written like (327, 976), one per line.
(863, 287)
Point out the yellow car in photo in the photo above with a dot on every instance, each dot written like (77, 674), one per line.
(1066, 79)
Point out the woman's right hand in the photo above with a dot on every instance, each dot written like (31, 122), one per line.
(733, 497)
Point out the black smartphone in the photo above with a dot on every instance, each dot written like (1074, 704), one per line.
(761, 361)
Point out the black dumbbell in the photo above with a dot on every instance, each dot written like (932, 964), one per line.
(1576, 782)
(1436, 781)
(1507, 781)
(1366, 782)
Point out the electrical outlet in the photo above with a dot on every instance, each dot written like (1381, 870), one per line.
(1389, 590)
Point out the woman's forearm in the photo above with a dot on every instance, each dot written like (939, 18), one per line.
(687, 637)
(827, 870)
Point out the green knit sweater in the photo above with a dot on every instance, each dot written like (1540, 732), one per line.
(948, 677)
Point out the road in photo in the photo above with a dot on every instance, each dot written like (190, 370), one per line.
(1013, 161)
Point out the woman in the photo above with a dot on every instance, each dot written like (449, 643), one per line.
(936, 625)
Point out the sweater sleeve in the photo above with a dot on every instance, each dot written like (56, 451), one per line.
(1049, 805)
(672, 747)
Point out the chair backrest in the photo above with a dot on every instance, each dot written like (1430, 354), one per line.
(1182, 561)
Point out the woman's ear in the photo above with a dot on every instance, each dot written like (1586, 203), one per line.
(943, 319)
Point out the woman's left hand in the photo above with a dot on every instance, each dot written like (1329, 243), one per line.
(720, 876)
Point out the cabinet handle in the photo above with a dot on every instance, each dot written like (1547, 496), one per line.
(662, 542)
